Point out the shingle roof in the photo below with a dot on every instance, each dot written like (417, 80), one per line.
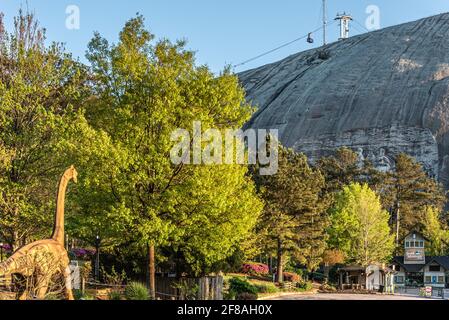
(442, 261)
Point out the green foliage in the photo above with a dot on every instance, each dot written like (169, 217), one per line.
(239, 286)
(414, 190)
(360, 227)
(187, 290)
(41, 89)
(115, 295)
(113, 277)
(339, 170)
(137, 291)
(304, 286)
(266, 288)
(78, 295)
(294, 219)
(436, 232)
(144, 91)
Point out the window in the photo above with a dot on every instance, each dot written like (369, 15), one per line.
(421, 244)
(399, 279)
(407, 244)
(434, 268)
(434, 279)
(428, 279)
(441, 280)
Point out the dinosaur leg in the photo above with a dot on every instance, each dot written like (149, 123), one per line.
(68, 284)
(44, 283)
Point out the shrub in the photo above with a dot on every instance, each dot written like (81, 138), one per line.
(187, 290)
(304, 287)
(114, 295)
(238, 286)
(78, 295)
(291, 277)
(255, 269)
(137, 291)
(267, 288)
(82, 254)
(114, 278)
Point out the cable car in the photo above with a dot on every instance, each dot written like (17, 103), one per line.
(309, 38)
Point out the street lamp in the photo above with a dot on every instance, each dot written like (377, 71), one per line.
(97, 258)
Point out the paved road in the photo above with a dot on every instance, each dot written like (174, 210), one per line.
(321, 296)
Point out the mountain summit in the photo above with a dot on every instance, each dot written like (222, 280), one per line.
(380, 93)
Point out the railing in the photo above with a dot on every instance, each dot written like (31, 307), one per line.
(441, 293)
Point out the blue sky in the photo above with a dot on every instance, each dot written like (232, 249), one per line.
(221, 32)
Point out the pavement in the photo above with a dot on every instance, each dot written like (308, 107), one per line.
(347, 297)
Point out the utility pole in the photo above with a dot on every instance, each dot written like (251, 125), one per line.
(398, 216)
(324, 22)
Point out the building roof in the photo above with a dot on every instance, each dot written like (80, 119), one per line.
(352, 268)
(410, 267)
(417, 232)
(442, 261)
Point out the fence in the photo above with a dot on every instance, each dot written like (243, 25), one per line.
(205, 288)
(409, 291)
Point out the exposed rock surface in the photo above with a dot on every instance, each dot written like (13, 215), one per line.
(380, 93)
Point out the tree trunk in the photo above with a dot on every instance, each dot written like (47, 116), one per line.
(280, 264)
(151, 272)
(398, 226)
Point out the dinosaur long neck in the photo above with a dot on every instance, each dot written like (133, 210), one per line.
(58, 231)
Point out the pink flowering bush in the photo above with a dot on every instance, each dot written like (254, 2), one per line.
(255, 269)
(83, 254)
(7, 248)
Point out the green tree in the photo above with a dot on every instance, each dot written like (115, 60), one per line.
(436, 232)
(294, 219)
(359, 226)
(340, 169)
(413, 190)
(41, 89)
(144, 90)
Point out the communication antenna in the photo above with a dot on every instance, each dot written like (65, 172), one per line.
(344, 24)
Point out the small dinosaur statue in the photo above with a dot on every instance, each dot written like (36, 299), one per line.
(51, 255)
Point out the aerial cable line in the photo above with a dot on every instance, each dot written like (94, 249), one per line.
(364, 28)
(280, 47)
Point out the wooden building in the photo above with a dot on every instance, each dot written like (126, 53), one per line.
(378, 278)
(415, 269)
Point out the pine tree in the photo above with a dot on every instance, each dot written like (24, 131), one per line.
(294, 219)
(340, 169)
(408, 190)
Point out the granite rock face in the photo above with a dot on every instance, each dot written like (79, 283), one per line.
(380, 93)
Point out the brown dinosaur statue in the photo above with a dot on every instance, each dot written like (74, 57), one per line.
(45, 259)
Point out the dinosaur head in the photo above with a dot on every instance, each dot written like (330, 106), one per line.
(73, 174)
